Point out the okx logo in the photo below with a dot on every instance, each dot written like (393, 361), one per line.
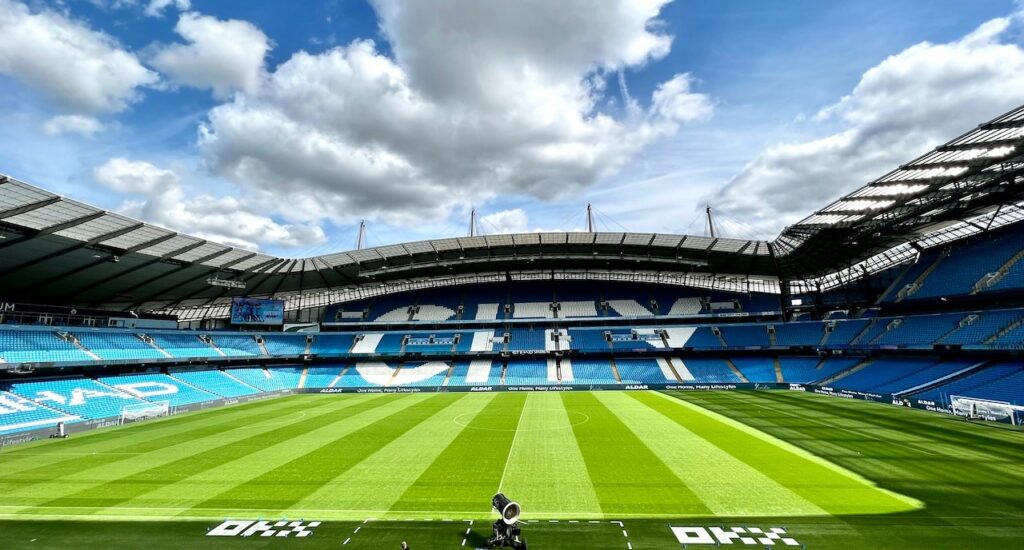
(249, 528)
(733, 535)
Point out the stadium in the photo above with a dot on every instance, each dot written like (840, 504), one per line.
(854, 382)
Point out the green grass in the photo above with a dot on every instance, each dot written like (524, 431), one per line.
(834, 472)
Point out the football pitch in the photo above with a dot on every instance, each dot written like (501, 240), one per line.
(601, 470)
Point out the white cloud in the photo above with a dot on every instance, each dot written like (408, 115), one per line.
(72, 124)
(82, 70)
(156, 8)
(225, 56)
(480, 100)
(505, 221)
(135, 177)
(159, 197)
(901, 108)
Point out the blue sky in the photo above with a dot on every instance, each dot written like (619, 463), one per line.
(278, 126)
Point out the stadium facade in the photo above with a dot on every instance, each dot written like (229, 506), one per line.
(907, 290)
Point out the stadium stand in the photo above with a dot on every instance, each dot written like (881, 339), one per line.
(216, 382)
(528, 372)
(81, 397)
(117, 345)
(38, 346)
(323, 376)
(999, 382)
(183, 345)
(592, 371)
(332, 344)
(708, 370)
(18, 414)
(756, 369)
(237, 345)
(481, 372)
(269, 378)
(158, 387)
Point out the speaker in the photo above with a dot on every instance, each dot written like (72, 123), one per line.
(508, 509)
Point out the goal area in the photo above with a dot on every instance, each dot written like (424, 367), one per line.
(984, 409)
(144, 411)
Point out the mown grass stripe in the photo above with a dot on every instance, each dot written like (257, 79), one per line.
(203, 453)
(379, 481)
(627, 476)
(545, 466)
(919, 471)
(829, 486)
(85, 468)
(46, 457)
(282, 487)
(730, 488)
(466, 475)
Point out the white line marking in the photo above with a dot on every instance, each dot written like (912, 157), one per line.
(357, 529)
(512, 448)
(346, 541)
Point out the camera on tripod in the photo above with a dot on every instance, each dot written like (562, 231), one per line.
(506, 529)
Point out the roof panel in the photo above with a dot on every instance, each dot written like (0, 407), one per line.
(728, 245)
(499, 240)
(419, 247)
(339, 258)
(170, 245)
(200, 252)
(581, 237)
(231, 256)
(364, 255)
(638, 239)
(141, 235)
(14, 194)
(95, 228)
(392, 250)
(52, 214)
(472, 242)
(526, 239)
(442, 245)
(251, 262)
(696, 242)
(667, 240)
(553, 238)
(608, 238)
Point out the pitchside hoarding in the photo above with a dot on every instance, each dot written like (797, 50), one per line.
(249, 311)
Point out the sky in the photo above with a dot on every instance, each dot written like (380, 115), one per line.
(279, 126)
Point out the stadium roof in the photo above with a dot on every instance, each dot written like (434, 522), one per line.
(57, 250)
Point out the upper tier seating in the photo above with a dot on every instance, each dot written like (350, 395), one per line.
(965, 265)
(845, 331)
(215, 381)
(285, 344)
(745, 335)
(37, 346)
(158, 387)
(183, 345)
(332, 344)
(798, 334)
(76, 396)
(117, 345)
(984, 327)
(923, 329)
(628, 308)
(237, 345)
